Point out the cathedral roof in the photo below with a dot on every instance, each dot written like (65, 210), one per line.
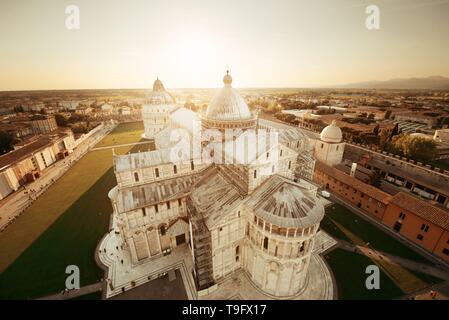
(214, 196)
(228, 104)
(286, 204)
(145, 195)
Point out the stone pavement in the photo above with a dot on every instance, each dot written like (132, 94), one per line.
(74, 293)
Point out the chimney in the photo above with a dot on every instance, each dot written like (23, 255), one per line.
(353, 169)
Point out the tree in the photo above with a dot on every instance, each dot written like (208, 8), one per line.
(61, 121)
(395, 131)
(6, 142)
(384, 137)
(416, 148)
(375, 179)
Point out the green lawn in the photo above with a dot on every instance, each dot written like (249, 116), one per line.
(62, 227)
(124, 133)
(378, 239)
(349, 271)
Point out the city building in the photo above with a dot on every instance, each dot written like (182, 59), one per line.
(420, 222)
(41, 124)
(25, 164)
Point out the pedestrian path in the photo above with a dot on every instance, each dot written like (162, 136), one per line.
(64, 295)
(122, 145)
(409, 264)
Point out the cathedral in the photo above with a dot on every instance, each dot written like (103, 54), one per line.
(238, 204)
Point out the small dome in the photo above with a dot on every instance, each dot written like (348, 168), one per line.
(332, 133)
(159, 96)
(228, 104)
(158, 86)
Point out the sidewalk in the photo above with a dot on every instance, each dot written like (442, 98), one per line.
(74, 293)
(409, 264)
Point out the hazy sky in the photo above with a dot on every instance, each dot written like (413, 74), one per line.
(190, 43)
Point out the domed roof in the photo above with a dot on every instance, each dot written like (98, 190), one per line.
(159, 95)
(228, 104)
(332, 133)
(286, 204)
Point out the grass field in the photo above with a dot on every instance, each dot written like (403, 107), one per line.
(349, 268)
(349, 271)
(122, 134)
(378, 239)
(62, 227)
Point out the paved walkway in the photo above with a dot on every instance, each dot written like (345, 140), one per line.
(441, 289)
(75, 293)
(409, 264)
(122, 145)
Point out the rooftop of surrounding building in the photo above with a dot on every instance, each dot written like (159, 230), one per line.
(371, 191)
(422, 208)
(24, 152)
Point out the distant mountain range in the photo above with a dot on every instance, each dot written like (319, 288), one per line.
(429, 83)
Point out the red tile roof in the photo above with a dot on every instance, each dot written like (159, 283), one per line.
(367, 189)
(423, 209)
(20, 154)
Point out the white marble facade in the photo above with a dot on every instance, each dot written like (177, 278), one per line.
(260, 217)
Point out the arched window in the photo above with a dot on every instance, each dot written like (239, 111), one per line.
(162, 230)
(265, 243)
(237, 250)
(136, 177)
(255, 174)
(156, 171)
(175, 169)
(289, 165)
(192, 165)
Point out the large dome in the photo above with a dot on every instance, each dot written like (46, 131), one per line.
(159, 95)
(332, 133)
(228, 104)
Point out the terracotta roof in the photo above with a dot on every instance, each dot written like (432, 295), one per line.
(371, 191)
(15, 156)
(422, 209)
